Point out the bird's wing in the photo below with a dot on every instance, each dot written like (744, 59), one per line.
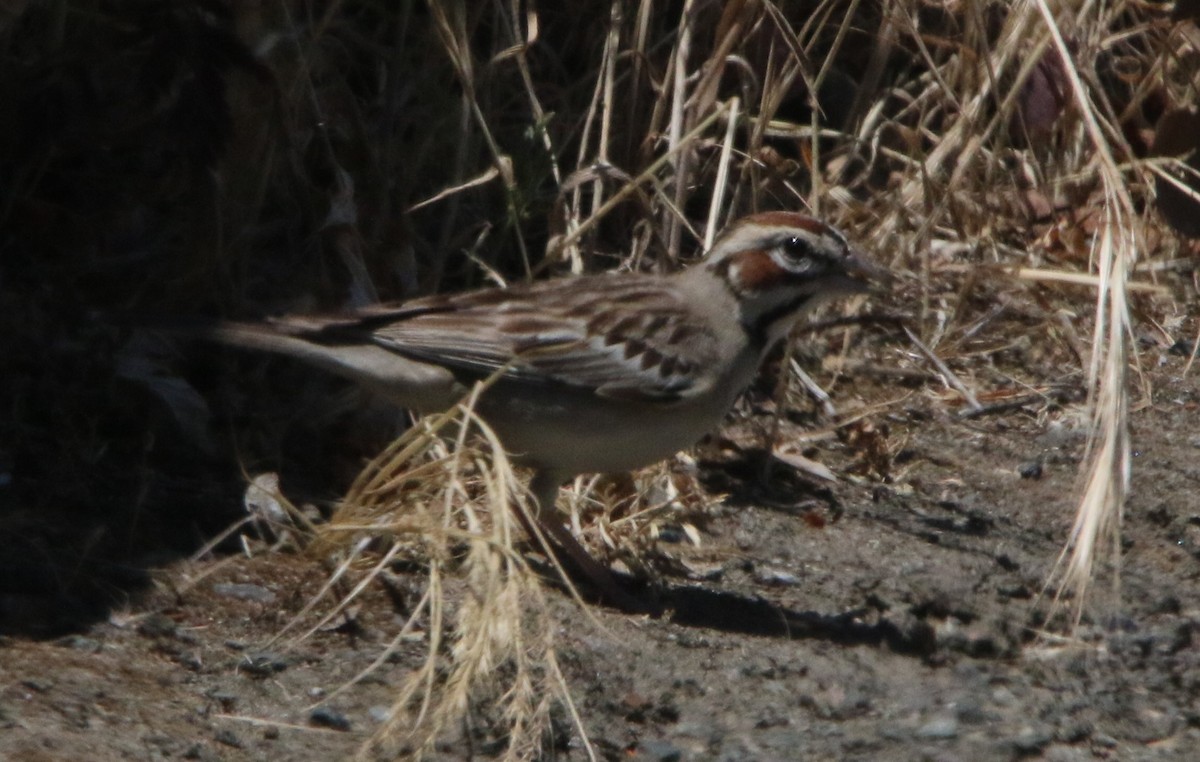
(629, 338)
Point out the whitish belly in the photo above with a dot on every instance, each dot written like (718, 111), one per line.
(588, 435)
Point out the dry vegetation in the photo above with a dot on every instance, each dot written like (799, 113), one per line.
(1013, 162)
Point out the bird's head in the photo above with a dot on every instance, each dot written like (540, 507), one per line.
(778, 264)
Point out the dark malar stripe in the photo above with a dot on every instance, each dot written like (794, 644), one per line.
(758, 331)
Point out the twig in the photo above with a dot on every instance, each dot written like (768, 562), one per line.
(947, 374)
(1015, 403)
(646, 174)
(814, 390)
(1055, 276)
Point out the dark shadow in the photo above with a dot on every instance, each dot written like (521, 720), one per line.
(48, 594)
(754, 478)
(65, 567)
(108, 193)
(73, 550)
(694, 606)
(705, 608)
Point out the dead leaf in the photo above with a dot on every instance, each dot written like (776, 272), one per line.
(1042, 99)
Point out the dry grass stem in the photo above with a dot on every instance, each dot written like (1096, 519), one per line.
(448, 504)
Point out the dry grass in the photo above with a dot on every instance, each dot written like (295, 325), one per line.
(447, 505)
(996, 156)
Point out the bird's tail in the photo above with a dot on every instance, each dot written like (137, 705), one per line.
(408, 383)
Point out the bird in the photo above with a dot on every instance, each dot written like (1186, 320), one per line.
(589, 373)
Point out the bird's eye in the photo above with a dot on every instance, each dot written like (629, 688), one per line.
(796, 255)
(796, 247)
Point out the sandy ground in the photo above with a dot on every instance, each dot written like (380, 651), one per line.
(896, 629)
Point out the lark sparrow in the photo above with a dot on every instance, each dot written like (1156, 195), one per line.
(600, 373)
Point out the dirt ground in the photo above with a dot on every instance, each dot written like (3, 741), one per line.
(896, 629)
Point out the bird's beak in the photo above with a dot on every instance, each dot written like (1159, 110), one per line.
(864, 276)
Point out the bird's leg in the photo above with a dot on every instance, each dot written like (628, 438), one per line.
(545, 486)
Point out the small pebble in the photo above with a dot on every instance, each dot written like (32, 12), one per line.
(263, 664)
(226, 699)
(190, 660)
(1032, 741)
(1104, 740)
(229, 738)
(1074, 733)
(1181, 348)
(776, 578)
(658, 751)
(380, 713)
(80, 643)
(1030, 470)
(1002, 696)
(939, 728)
(324, 717)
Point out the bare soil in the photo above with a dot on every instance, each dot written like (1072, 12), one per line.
(899, 627)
